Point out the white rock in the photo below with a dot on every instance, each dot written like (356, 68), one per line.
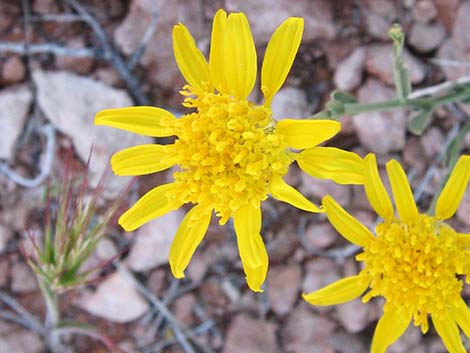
(115, 300)
(349, 72)
(290, 102)
(14, 106)
(380, 132)
(70, 102)
(153, 242)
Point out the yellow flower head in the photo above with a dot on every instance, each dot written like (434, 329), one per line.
(230, 152)
(413, 261)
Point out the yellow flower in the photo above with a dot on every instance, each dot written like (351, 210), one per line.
(414, 261)
(230, 152)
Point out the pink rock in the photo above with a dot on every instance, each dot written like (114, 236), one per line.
(22, 277)
(318, 188)
(246, 334)
(115, 300)
(307, 332)
(158, 57)
(13, 70)
(426, 37)
(283, 287)
(450, 52)
(183, 308)
(290, 102)
(319, 273)
(353, 315)
(348, 74)
(432, 140)
(19, 340)
(462, 27)
(78, 65)
(464, 210)
(424, 11)
(380, 132)
(379, 62)
(153, 242)
(14, 106)
(265, 16)
(321, 235)
(447, 12)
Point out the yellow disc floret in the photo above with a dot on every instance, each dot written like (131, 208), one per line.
(415, 267)
(227, 152)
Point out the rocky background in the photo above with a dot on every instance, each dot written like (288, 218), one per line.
(62, 61)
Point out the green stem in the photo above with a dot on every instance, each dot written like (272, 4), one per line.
(417, 103)
(52, 305)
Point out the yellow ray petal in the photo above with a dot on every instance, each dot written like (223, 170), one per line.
(150, 121)
(452, 194)
(375, 189)
(190, 233)
(279, 56)
(143, 159)
(401, 190)
(464, 240)
(247, 223)
(255, 276)
(153, 204)
(240, 56)
(341, 166)
(191, 62)
(339, 292)
(302, 134)
(346, 225)
(461, 314)
(286, 193)
(447, 328)
(217, 53)
(389, 328)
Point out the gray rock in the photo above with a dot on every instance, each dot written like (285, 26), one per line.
(70, 102)
(14, 106)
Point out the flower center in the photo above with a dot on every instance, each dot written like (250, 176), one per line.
(227, 152)
(415, 267)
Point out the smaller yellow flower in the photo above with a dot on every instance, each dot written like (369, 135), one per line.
(230, 153)
(414, 261)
